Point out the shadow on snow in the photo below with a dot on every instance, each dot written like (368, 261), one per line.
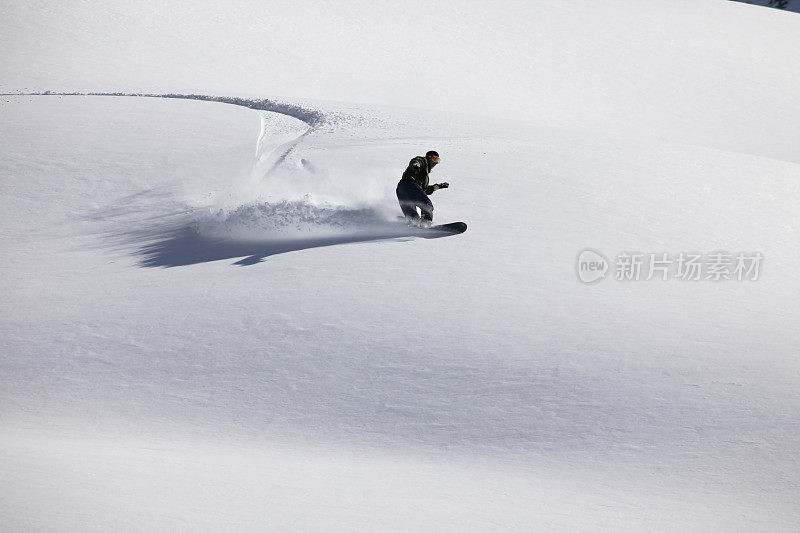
(184, 245)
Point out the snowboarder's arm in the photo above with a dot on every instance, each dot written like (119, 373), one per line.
(435, 187)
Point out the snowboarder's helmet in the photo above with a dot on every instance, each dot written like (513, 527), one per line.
(432, 156)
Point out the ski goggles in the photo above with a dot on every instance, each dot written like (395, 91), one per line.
(433, 158)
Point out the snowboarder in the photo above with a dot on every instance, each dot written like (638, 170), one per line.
(413, 189)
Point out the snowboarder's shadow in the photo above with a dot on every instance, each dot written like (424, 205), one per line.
(182, 245)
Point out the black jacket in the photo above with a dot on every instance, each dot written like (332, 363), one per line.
(419, 172)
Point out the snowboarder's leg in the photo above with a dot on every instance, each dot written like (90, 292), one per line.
(409, 210)
(427, 210)
(411, 196)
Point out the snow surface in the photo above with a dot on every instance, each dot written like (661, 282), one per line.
(212, 318)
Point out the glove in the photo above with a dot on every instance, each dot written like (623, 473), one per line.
(443, 185)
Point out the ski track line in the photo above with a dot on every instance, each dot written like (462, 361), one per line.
(313, 118)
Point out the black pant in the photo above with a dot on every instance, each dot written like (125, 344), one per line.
(411, 196)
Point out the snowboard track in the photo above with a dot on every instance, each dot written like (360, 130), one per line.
(312, 117)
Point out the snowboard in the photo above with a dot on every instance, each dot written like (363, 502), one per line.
(452, 227)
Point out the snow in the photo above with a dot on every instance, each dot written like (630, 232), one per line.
(212, 318)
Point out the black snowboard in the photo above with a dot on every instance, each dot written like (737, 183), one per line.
(453, 227)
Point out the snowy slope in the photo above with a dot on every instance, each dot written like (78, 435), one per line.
(304, 362)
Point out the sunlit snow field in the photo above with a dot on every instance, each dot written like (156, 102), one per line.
(212, 317)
